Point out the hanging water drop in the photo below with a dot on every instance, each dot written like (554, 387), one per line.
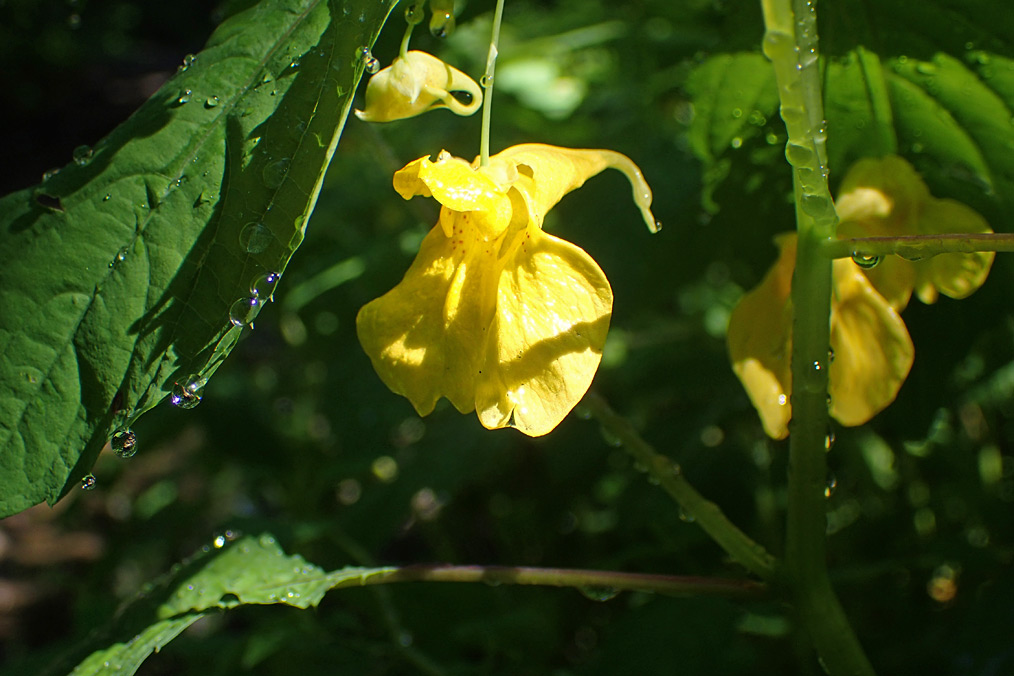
(414, 13)
(864, 261)
(369, 61)
(829, 438)
(244, 311)
(486, 81)
(124, 442)
(255, 238)
(263, 288)
(830, 486)
(82, 155)
(600, 594)
(275, 172)
(442, 22)
(88, 482)
(187, 394)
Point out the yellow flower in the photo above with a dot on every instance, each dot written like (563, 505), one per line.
(871, 346)
(495, 314)
(416, 83)
(886, 197)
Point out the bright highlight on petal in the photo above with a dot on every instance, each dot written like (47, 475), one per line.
(416, 83)
(494, 314)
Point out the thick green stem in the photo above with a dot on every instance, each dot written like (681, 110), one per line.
(487, 83)
(600, 583)
(669, 477)
(915, 247)
(790, 41)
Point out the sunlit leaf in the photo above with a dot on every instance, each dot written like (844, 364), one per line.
(125, 272)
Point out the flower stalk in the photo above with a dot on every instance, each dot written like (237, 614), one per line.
(915, 247)
(487, 84)
(790, 41)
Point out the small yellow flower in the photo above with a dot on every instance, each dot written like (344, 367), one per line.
(871, 346)
(495, 314)
(415, 83)
(886, 197)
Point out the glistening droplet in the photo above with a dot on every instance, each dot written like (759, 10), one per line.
(864, 261)
(255, 238)
(244, 311)
(211, 102)
(183, 97)
(88, 482)
(124, 442)
(263, 288)
(366, 57)
(599, 593)
(275, 172)
(187, 394)
(832, 484)
(82, 155)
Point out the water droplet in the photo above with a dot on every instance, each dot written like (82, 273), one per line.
(211, 102)
(266, 78)
(263, 288)
(120, 256)
(830, 355)
(244, 311)
(107, 197)
(864, 261)
(187, 394)
(736, 142)
(188, 61)
(797, 155)
(829, 438)
(686, 516)
(275, 172)
(82, 155)
(441, 23)
(294, 64)
(366, 57)
(737, 113)
(183, 97)
(611, 438)
(600, 594)
(832, 484)
(658, 225)
(88, 482)
(414, 13)
(486, 81)
(817, 366)
(255, 238)
(124, 442)
(46, 175)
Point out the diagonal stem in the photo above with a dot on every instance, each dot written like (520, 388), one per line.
(670, 478)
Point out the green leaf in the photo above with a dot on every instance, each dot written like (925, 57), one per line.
(252, 570)
(734, 96)
(121, 272)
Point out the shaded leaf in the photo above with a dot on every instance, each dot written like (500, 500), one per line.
(122, 272)
(252, 570)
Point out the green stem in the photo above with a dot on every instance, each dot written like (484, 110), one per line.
(670, 478)
(915, 247)
(600, 582)
(790, 41)
(487, 84)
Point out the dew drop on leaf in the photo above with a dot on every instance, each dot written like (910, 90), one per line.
(244, 311)
(255, 238)
(82, 155)
(124, 442)
(275, 172)
(263, 288)
(211, 102)
(88, 482)
(187, 394)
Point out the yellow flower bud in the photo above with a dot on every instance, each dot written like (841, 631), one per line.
(416, 83)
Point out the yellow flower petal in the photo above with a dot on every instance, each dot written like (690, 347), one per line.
(760, 342)
(425, 336)
(552, 172)
(416, 83)
(459, 187)
(956, 275)
(545, 342)
(884, 193)
(872, 349)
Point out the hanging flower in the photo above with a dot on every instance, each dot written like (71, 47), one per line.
(872, 351)
(415, 83)
(871, 346)
(495, 314)
(884, 196)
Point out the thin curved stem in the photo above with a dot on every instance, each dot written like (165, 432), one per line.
(669, 477)
(597, 583)
(487, 83)
(915, 247)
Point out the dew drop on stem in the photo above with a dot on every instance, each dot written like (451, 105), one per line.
(864, 261)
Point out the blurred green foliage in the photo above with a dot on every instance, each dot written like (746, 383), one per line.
(297, 436)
